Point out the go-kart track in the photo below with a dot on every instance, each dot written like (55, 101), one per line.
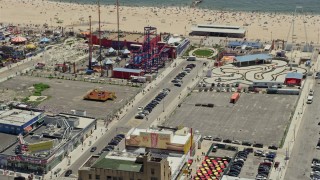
(275, 71)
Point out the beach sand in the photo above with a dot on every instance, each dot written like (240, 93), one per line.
(264, 26)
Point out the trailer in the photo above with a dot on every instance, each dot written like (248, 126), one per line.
(289, 91)
(267, 84)
(234, 98)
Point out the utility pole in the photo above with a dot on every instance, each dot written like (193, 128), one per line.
(118, 26)
(90, 46)
(100, 39)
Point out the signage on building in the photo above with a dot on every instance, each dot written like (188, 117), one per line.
(40, 146)
(156, 140)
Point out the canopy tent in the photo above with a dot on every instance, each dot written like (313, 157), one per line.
(44, 40)
(108, 62)
(30, 46)
(93, 59)
(18, 39)
(126, 51)
(111, 50)
(85, 33)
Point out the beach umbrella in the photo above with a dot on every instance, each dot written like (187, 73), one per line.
(30, 46)
(18, 39)
(44, 40)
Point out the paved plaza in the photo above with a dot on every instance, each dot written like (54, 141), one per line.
(67, 95)
(259, 118)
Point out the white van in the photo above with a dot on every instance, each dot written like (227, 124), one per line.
(309, 99)
(191, 58)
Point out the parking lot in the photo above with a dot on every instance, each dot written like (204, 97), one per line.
(256, 118)
(66, 95)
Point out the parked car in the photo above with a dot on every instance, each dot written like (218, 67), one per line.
(93, 149)
(246, 143)
(68, 173)
(177, 84)
(227, 141)
(236, 142)
(120, 135)
(273, 147)
(217, 139)
(258, 145)
(259, 153)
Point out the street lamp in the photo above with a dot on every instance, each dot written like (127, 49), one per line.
(163, 105)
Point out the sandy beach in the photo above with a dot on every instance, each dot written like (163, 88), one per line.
(264, 26)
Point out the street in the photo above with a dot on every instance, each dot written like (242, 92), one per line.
(123, 125)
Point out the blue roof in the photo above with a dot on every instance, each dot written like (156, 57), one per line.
(127, 70)
(294, 75)
(241, 43)
(253, 57)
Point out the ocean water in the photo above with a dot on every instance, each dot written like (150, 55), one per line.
(279, 6)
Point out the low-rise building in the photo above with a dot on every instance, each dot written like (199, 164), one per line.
(47, 145)
(125, 166)
(19, 121)
(165, 139)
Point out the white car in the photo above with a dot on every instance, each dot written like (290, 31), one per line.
(140, 108)
(311, 92)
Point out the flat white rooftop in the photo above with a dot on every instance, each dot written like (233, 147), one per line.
(17, 117)
(83, 121)
(178, 137)
(211, 28)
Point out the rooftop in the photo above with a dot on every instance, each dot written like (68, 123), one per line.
(294, 75)
(253, 57)
(246, 43)
(83, 123)
(127, 70)
(17, 117)
(177, 137)
(118, 164)
(218, 29)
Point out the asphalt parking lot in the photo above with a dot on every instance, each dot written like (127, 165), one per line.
(260, 118)
(66, 95)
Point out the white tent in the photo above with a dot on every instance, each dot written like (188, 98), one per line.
(126, 51)
(108, 62)
(111, 50)
(93, 59)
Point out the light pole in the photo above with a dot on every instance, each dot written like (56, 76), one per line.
(163, 105)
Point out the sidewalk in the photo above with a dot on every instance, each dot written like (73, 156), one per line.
(87, 144)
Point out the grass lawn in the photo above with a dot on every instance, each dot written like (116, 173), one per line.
(203, 52)
(38, 88)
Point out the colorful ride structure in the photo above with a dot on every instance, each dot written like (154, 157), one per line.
(152, 54)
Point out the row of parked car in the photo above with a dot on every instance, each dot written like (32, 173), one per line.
(238, 163)
(177, 81)
(263, 170)
(110, 147)
(244, 143)
(144, 111)
(315, 169)
(203, 84)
